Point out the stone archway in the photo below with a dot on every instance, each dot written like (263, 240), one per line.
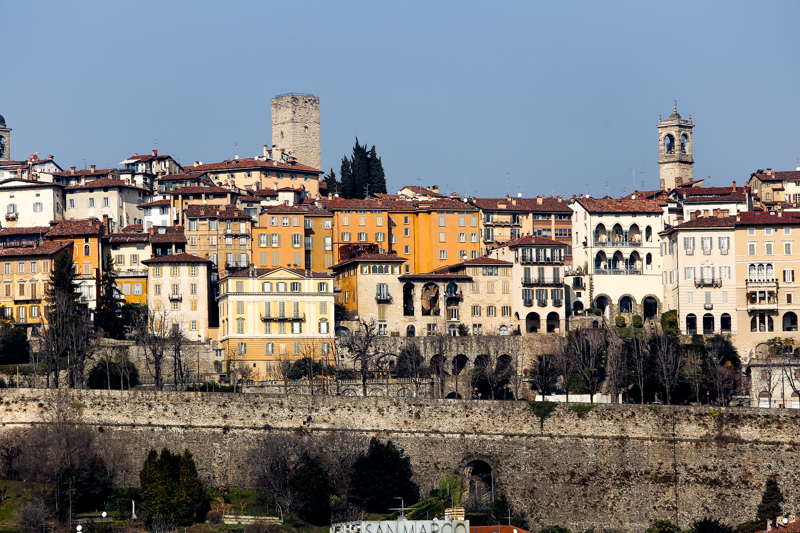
(479, 481)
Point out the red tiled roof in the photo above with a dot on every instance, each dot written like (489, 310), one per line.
(789, 175)
(314, 210)
(86, 172)
(133, 228)
(34, 230)
(750, 218)
(23, 183)
(483, 261)
(371, 257)
(45, 248)
(172, 234)
(240, 164)
(258, 272)
(266, 192)
(103, 182)
(284, 209)
(148, 157)
(90, 226)
(711, 194)
(202, 190)
(707, 222)
(181, 177)
(127, 237)
(530, 240)
(621, 205)
(250, 199)
(422, 277)
(223, 212)
(156, 203)
(548, 205)
(384, 196)
(176, 258)
(791, 527)
(423, 191)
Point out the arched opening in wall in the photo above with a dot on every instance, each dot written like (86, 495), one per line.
(553, 322)
(708, 324)
(503, 362)
(790, 321)
(453, 396)
(459, 363)
(618, 261)
(479, 479)
(763, 399)
(375, 392)
(342, 331)
(650, 306)
(408, 299)
(595, 324)
(516, 315)
(795, 401)
(600, 234)
(452, 330)
(437, 365)
(577, 305)
(411, 331)
(684, 142)
(669, 144)
(430, 300)
(633, 265)
(648, 234)
(617, 234)
(532, 323)
(725, 324)
(626, 304)
(691, 324)
(648, 262)
(600, 262)
(601, 302)
(634, 234)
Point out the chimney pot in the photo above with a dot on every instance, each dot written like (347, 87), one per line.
(155, 152)
(769, 525)
(72, 170)
(734, 186)
(92, 167)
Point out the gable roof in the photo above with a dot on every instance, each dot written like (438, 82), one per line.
(620, 205)
(68, 228)
(44, 248)
(530, 240)
(34, 230)
(172, 234)
(260, 272)
(176, 258)
(222, 212)
(156, 203)
(750, 218)
(99, 172)
(789, 175)
(103, 182)
(511, 204)
(423, 191)
(250, 162)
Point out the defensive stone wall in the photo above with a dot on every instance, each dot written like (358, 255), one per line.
(614, 467)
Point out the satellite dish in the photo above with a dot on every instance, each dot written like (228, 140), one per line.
(519, 194)
(785, 520)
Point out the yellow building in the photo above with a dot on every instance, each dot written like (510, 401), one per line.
(128, 251)
(765, 278)
(87, 252)
(294, 237)
(185, 196)
(24, 272)
(269, 315)
(219, 232)
(429, 234)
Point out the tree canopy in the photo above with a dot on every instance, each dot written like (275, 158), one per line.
(380, 475)
(171, 490)
(360, 175)
(106, 316)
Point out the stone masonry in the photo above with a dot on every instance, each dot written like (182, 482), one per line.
(613, 468)
(295, 128)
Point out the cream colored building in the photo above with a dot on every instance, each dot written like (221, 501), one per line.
(767, 265)
(178, 289)
(30, 203)
(537, 295)
(616, 248)
(113, 198)
(272, 314)
(699, 267)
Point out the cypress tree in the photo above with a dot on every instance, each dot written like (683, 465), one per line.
(380, 475)
(346, 187)
(334, 186)
(377, 177)
(189, 493)
(362, 173)
(771, 500)
(105, 317)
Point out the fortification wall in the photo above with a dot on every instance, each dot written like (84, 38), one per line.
(614, 468)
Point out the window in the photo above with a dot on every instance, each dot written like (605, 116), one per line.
(37, 207)
(380, 236)
(442, 254)
(158, 289)
(8, 268)
(21, 267)
(724, 245)
(285, 221)
(193, 288)
(490, 310)
(134, 259)
(751, 248)
(407, 250)
(442, 236)
(297, 240)
(241, 348)
(476, 310)
(345, 220)
(322, 287)
(362, 221)
(406, 232)
(295, 221)
(705, 242)
(506, 310)
(477, 330)
(768, 231)
(751, 232)
(176, 306)
(688, 245)
(688, 273)
(788, 275)
(768, 248)
(787, 247)
(193, 325)
(724, 272)
(137, 288)
(345, 236)
(91, 202)
(71, 204)
(176, 271)
(33, 267)
(362, 236)
(406, 219)
(87, 250)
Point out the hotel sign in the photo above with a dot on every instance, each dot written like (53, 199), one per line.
(403, 526)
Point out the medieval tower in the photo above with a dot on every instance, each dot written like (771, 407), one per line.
(5, 140)
(295, 127)
(675, 150)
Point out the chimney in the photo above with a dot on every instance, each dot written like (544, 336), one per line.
(91, 168)
(155, 152)
(266, 151)
(769, 171)
(539, 199)
(435, 188)
(49, 156)
(769, 525)
(19, 173)
(559, 198)
(72, 170)
(513, 201)
(107, 224)
(734, 186)
(197, 163)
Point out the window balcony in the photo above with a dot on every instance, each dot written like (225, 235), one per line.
(527, 303)
(457, 295)
(708, 282)
(617, 270)
(490, 223)
(11, 216)
(543, 280)
(618, 244)
(542, 261)
(764, 284)
(557, 303)
(300, 317)
(541, 303)
(383, 298)
(175, 297)
(708, 307)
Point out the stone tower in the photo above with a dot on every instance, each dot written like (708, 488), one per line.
(295, 127)
(5, 140)
(675, 150)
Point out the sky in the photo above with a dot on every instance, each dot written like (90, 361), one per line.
(486, 98)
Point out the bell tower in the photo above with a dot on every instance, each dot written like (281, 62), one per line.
(675, 150)
(5, 140)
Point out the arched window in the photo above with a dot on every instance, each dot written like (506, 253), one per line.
(725, 323)
(790, 321)
(669, 144)
(770, 272)
(708, 324)
(452, 330)
(684, 142)
(410, 331)
(691, 324)
(648, 234)
(504, 330)
(760, 272)
(751, 273)
(649, 261)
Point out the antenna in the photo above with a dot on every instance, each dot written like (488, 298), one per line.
(508, 178)
(236, 150)
(366, 192)
(84, 164)
(607, 193)
(634, 179)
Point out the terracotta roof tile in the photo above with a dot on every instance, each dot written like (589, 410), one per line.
(99, 172)
(707, 222)
(750, 218)
(423, 191)
(133, 228)
(789, 175)
(202, 190)
(250, 199)
(143, 158)
(172, 234)
(156, 203)
(240, 164)
(530, 240)
(45, 248)
(620, 205)
(103, 182)
(266, 192)
(35, 230)
(175, 258)
(181, 177)
(68, 228)
(548, 205)
(223, 212)
(127, 237)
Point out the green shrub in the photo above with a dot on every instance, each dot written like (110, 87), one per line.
(663, 526)
(593, 311)
(582, 408)
(669, 323)
(542, 410)
(637, 321)
(620, 321)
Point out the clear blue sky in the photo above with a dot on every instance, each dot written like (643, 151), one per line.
(555, 95)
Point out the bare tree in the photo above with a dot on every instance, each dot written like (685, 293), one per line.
(543, 373)
(640, 362)
(271, 464)
(32, 515)
(153, 330)
(616, 364)
(176, 346)
(12, 444)
(563, 363)
(667, 364)
(693, 359)
(585, 347)
(411, 364)
(283, 369)
(362, 347)
(439, 345)
(309, 353)
(493, 369)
